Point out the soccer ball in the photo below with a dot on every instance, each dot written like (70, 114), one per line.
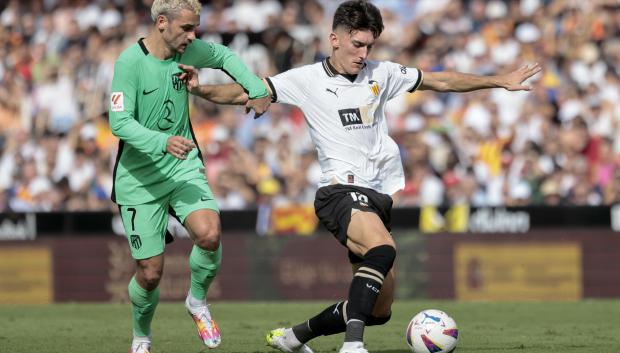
(432, 331)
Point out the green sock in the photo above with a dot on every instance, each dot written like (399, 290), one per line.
(143, 304)
(204, 265)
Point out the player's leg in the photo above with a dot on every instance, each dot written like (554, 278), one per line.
(368, 238)
(194, 205)
(333, 319)
(382, 310)
(145, 226)
(206, 256)
(334, 206)
(144, 296)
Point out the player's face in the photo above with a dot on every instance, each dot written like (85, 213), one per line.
(179, 30)
(351, 49)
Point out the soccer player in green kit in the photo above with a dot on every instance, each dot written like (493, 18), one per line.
(159, 169)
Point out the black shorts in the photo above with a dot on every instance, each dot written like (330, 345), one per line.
(333, 205)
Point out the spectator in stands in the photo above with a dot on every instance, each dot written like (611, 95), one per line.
(49, 47)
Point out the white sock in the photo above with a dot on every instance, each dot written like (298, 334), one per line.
(193, 302)
(352, 345)
(141, 339)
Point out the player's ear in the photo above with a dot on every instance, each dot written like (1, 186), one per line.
(161, 22)
(333, 40)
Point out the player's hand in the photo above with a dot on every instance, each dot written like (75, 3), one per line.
(179, 146)
(189, 76)
(513, 81)
(259, 105)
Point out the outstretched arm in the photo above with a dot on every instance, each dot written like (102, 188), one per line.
(231, 93)
(218, 56)
(460, 82)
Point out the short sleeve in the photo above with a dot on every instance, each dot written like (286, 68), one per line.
(290, 87)
(402, 79)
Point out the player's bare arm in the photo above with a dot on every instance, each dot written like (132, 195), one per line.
(461, 82)
(233, 93)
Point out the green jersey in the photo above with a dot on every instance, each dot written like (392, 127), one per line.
(148, 104)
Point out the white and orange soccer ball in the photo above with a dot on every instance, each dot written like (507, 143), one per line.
(432, 331)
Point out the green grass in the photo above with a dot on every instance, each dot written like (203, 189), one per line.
(549, 327)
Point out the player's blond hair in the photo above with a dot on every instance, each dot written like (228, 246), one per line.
(171, 7)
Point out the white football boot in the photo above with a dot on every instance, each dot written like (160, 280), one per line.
(284, 340)
(140, 347)
(353, 347)
(208, 330)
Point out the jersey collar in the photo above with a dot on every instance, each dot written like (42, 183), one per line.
(331, 71)
(147, 52)
(142, 46)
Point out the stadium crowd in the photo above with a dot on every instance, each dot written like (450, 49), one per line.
(557, 144)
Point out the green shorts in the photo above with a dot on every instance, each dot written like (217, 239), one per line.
(146, 224)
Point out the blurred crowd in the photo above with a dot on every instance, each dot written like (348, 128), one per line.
(558, 144)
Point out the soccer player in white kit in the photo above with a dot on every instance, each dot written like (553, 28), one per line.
(343, 99)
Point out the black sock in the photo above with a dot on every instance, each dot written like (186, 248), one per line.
(365, 288)
(329, 322)
(363, 294)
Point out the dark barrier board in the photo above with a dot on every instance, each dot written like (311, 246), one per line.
(551, 265)
(555, 264)
(474, 220)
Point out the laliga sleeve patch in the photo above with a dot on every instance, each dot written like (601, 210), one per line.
(116, 102)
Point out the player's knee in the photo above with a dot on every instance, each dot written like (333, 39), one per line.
(379, 320)
(151, 281)
(207, 238)
(380, 258)
(208, 243)
(150, 278)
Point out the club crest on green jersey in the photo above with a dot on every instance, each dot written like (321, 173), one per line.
(177, 83)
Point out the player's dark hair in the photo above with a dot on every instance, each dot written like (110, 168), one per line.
(358, 15)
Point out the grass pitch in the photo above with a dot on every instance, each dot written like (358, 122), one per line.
(536, 327)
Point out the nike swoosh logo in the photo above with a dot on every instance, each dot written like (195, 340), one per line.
(204, 198)
(145, 92)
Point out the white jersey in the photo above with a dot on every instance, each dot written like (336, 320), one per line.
(347, 120)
